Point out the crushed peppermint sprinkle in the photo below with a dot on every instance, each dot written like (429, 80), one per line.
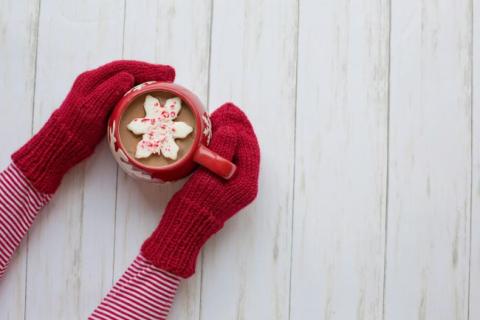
(158, 129)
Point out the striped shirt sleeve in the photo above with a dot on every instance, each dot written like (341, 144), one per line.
(143, 292)
(19, 205)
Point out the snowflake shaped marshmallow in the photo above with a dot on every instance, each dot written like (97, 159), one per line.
(158, 128)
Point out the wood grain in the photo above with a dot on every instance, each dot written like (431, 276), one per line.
(18, 42)
(253, 63)
(70, 258)
(341, 160)
(430, 161)
(474, 297)
(175, 33)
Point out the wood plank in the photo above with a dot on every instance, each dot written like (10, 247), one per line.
(253, 63)
(341, 160)
(474, 297)
(430, 160)
(71, 246)
(175, 33)
(18, 44)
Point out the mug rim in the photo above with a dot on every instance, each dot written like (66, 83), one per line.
(185, 95)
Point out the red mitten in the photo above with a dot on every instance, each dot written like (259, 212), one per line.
(74, 129)
(206, 201)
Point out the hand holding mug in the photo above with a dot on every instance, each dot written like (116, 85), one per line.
(77, 126)
(207, 201)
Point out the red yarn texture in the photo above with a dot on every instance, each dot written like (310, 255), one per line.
(207, 201)
(73, 130)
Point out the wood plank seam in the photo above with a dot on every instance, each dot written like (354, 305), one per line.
(292, 213)
(27, 240)
(472, 151)
(207, 107)
(387, 182)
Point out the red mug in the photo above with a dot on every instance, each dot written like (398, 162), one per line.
(197, 154)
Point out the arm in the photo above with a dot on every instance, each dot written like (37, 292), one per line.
(194, 214)
(69, 136)
(143, 292)
(19, 205)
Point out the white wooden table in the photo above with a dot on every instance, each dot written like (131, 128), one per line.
(368, 116)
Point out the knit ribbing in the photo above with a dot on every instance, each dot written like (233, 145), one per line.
(185, 229)
(48, 155)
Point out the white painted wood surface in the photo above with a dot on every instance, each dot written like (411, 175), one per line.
(428, 228)
(474, 295)
(368, 117)
(341, 160)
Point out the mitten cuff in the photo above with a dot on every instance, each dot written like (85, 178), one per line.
(50, 153)
(174, 246)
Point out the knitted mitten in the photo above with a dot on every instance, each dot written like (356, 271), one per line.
(206, 201)
(74, 129)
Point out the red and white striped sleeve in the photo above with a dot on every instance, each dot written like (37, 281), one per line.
(142, 292)
(19, 205)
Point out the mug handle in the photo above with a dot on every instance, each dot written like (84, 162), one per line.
(214, 162)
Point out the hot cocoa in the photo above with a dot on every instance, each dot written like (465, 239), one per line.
(157, 129)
